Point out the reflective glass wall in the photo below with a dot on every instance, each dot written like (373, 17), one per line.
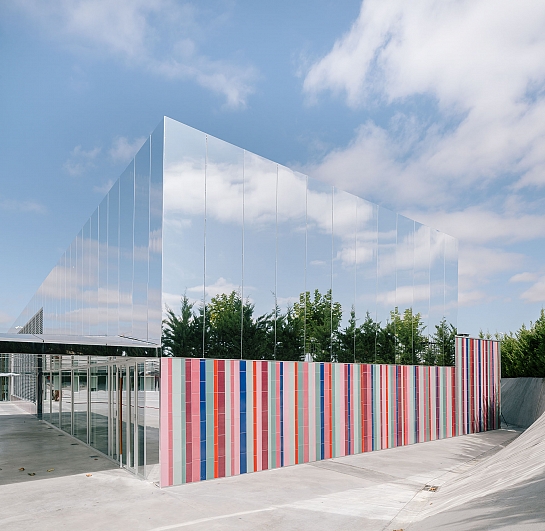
(109, 403)
(108, 281)
(244, 257)
(262, 262)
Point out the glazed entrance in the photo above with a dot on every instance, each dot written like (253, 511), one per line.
(113, 406)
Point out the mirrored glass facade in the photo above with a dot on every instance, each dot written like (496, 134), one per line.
(255, 260)
(272, 264)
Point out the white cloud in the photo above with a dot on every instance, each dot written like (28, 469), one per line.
(103, 189)
(481, 64)
(123, 150)
(464, 147)
(480, 224)
(478, 265)
(536, 293)
(14, 205)
(157, 35)
(221, 286)
(80, 160)
(524, 277)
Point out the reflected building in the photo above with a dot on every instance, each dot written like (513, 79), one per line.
(292, 268)
(196, 216)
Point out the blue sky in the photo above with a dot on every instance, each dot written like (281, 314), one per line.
(435, 109)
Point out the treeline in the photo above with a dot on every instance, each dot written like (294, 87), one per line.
(523, 353)
(227, 328)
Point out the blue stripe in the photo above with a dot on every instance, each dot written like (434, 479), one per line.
(281, 413)
(243, 462)
(322, 417)
(202, 404)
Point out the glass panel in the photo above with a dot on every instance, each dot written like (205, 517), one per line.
(259, 282)
(451, 280)
(93, 275)
(408, 327)
(132, 416)
(48, 396)
(123, 413)
(72, 290)
(126, 253)
(113, 450)
(80, 404)
(102, 327)
(141, 404)
(366, 280)
(224, 200)
(56, 399)
(141, 242)
(386, 285)
(318, 322)
(78, 284)
(183, 226)
(437, 294)
(66, 402)
(85, 286)
(113, 260)
(421, 293)
(344, 274)
(291, 264)
(152, 419)
(98, 387)
(156, 236)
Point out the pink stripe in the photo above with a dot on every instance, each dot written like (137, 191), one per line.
(306, 414)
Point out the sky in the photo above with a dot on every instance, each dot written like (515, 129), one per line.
(432, 108)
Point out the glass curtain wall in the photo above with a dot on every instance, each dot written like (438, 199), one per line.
(262, 262)
(111, 404)
(108, 281)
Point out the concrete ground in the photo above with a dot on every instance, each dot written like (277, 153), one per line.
(73, 489)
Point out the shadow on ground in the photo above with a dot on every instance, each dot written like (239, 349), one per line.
(42, 451)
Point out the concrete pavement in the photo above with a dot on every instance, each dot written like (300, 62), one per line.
(377, 490)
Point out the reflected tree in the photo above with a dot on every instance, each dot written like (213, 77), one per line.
(310, 329)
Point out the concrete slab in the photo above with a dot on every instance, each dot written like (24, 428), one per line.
(522, 400)
(367, 491)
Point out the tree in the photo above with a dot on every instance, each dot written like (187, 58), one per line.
(444, 340)
(180, 333)
(322, 318)
(409, 333)
(289, 336)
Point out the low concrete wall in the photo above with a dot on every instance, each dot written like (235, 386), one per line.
(522, 400)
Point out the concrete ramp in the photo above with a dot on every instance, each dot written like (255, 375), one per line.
(522, 400)
(503, 491)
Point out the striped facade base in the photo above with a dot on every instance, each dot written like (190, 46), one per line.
(478, 374)
(221, 418)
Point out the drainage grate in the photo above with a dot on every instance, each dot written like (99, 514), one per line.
(94, 456)
(431, 488)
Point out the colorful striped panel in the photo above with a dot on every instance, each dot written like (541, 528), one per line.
(478, 373)
(226, 417)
